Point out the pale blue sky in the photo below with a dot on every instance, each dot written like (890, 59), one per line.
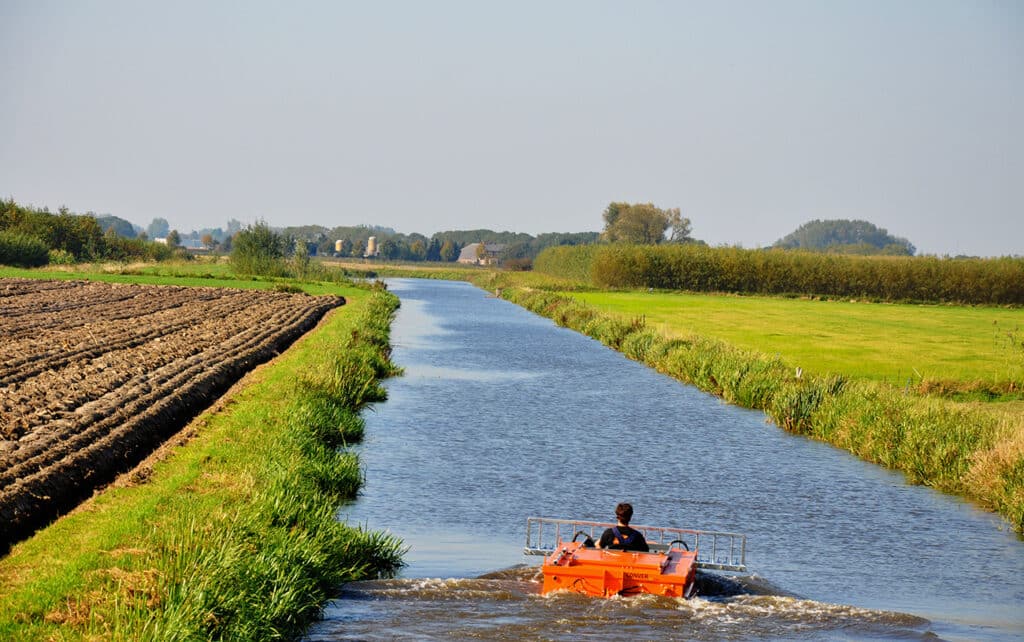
(753, 117)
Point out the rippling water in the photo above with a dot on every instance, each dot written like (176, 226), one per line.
(502, 415)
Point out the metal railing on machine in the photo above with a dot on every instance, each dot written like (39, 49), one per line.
(716, 550)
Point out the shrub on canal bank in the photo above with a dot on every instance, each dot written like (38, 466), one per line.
(235, 535)
(934, 442)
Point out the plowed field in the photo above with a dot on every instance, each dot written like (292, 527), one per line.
(95, 376)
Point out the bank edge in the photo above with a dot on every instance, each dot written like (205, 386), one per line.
(235, 536)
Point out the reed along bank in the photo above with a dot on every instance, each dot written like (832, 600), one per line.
(962, 449)
(232, 535)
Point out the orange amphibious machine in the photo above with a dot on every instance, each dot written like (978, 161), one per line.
(669, 569)
(606, 573)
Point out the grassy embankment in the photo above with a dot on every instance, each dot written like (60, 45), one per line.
(232, 535)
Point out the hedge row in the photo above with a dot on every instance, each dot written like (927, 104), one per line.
(969, 453)
(699, 268)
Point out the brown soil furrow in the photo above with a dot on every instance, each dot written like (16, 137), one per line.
(126, 367)
(76, 311)
(72, 430)
(84, 344)
(76, 294)
(29, 501)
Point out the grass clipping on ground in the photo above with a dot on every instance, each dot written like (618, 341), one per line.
(233, 536)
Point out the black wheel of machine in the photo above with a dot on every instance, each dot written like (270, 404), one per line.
(691, 590)
(679, 541)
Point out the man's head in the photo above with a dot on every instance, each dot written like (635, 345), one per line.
(624, 512)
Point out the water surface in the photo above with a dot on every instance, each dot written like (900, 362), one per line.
(502, 415)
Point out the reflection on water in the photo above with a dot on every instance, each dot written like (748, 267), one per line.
(503, 415)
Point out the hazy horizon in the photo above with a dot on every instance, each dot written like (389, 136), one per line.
(753, 118)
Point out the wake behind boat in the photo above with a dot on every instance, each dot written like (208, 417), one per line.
(668, 569)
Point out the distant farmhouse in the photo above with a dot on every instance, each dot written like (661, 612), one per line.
(482, 254)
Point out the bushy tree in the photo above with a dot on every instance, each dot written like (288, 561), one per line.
(643, 224)
(301, 261)
(22, 250)
(120, 226)
(434, 249)
(679, 226)
(388, 249)
(417, 250)
(448, 251)
(258, 250)
(158, 229)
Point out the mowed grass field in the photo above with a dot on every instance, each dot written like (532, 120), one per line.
(894, 343)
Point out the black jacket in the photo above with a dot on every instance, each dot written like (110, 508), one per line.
(626, 539)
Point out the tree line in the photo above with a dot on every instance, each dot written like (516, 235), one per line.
(31, 237)
(519, 249)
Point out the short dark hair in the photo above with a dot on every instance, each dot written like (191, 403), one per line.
(624, 512)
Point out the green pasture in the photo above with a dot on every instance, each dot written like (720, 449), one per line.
(893, 343)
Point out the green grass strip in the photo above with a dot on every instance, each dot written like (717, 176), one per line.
(234, 535)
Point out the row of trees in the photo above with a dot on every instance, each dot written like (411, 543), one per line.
(636, 223)
(624, 223)
(32, 237)
(160, 228)
(259, 249)
(519, 248)
(699, 268)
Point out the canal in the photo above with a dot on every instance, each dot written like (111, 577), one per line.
(502, 415)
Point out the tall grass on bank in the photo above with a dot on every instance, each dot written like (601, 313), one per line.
(699, 268)
(963, 452)
(235, 536)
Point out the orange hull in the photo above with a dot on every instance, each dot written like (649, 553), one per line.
(606, 573)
